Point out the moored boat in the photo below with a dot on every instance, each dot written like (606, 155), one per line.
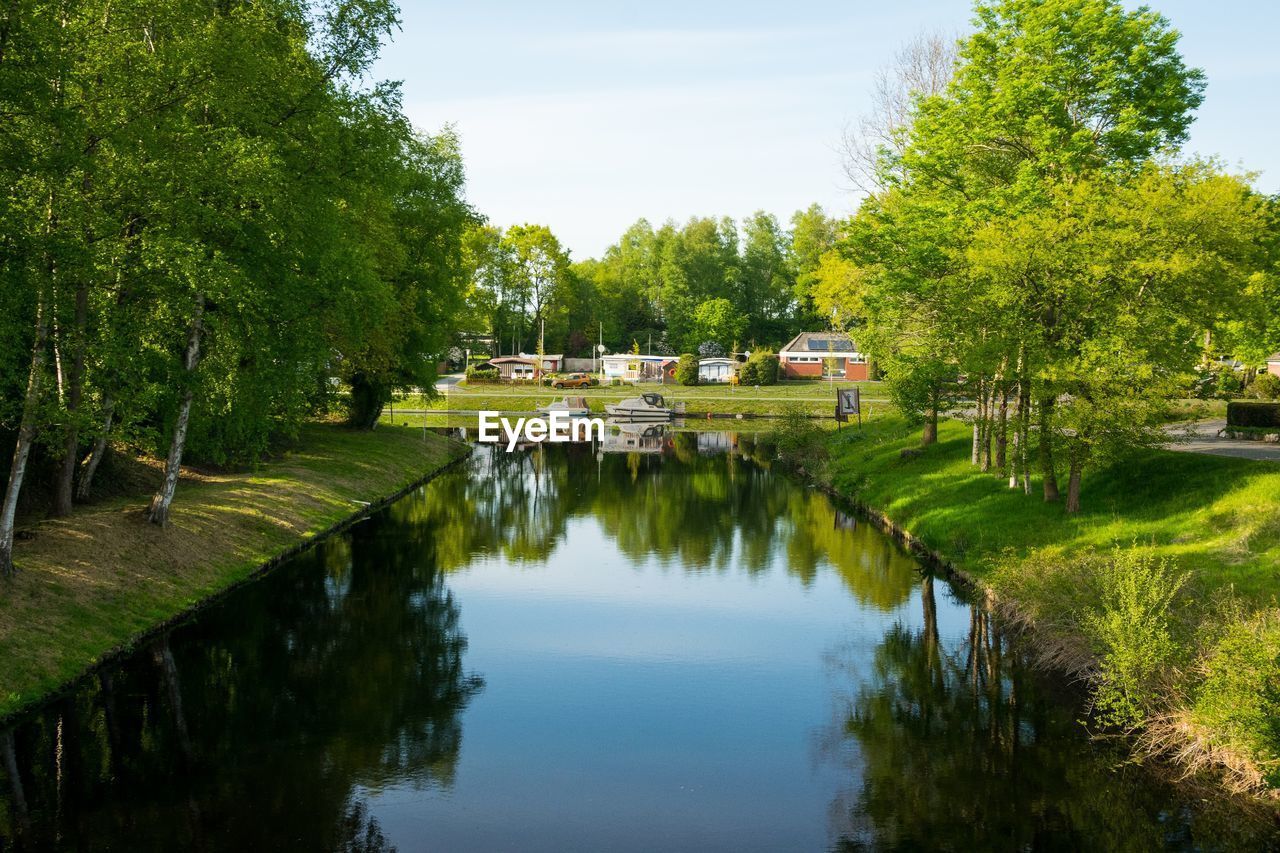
(648, 407)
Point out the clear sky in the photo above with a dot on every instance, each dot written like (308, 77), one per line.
(586, 116)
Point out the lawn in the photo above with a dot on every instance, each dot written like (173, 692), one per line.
(1218, 516)
(96, 581)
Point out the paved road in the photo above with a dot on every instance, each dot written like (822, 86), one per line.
(446, 382)
(1204, 438)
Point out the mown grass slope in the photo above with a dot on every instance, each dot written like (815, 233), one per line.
(93, 582)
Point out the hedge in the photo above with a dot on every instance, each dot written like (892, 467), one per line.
(1249, 414)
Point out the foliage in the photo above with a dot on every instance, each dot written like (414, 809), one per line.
(1265, 386)
(211, 213)
(482, 374)
(1034, 236)
(1130, 627)
(1238, 703)
(761, 368)
(1217, 381)
(717, 320)
(687, 369)
(1247, 414)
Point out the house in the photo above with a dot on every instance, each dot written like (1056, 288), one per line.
(716, 369)
(513, 367)
(629, 367)
(1273, 363)
(526, 366)
(830, 355)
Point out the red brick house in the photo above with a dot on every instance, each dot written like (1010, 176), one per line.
(822, 354)
(1273, 363)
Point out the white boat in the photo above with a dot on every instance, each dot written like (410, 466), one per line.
(628, 436)
(575, 407)
(646, 407)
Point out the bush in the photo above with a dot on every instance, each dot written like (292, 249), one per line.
(760, 369)
(480, 375)
(710, 349)
(1245, 414)
(1239, 699)
(687, 369)
(1266, 386)
(1129, 626)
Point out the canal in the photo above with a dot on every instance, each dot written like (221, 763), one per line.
(662, 644)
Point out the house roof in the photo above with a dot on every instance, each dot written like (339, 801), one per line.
(511, 359)
(716, 360)
(812, 343)
(545, 356)
(634, 357)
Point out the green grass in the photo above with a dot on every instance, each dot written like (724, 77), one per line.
(1218, 516)
(96, 581)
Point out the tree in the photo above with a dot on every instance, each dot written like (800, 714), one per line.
(687, 369)
(716, 320)
(994, 252)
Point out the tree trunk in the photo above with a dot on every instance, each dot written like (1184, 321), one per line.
(22, 449)
(19, 799)
(1046, 449)
(366, 404)
(1002, 430)
(930, 434)
(1073, 486)
(75, 391)
(988, 425)
(158, 512)
(85, 487)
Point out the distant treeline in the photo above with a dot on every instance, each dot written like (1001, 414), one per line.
(673, 288)
(209, 215)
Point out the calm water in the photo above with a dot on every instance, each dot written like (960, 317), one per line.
(669, 648)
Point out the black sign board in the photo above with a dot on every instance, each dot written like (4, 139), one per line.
(848, 402)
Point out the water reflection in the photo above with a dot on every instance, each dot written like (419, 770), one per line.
(256, 727)
(664, 637)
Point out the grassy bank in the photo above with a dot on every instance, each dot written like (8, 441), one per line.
(93, 582)
(1162, 588)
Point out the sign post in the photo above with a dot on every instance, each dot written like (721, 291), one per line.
(849, 402)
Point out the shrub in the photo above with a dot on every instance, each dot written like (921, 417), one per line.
(1248, 414)
(687, 369)
(1129, 626)
(760, 369)
(1266, 386)
(1239, 699)
(482, 374)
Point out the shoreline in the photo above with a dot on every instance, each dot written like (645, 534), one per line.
(229, 578)
(1218, 774)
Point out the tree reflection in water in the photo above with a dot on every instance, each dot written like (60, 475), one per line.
(954, 746)
(257, 727)
(694, 510)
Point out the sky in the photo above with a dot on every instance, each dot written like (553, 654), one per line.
(586, 116)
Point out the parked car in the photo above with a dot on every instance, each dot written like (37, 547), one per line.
(574, 380)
